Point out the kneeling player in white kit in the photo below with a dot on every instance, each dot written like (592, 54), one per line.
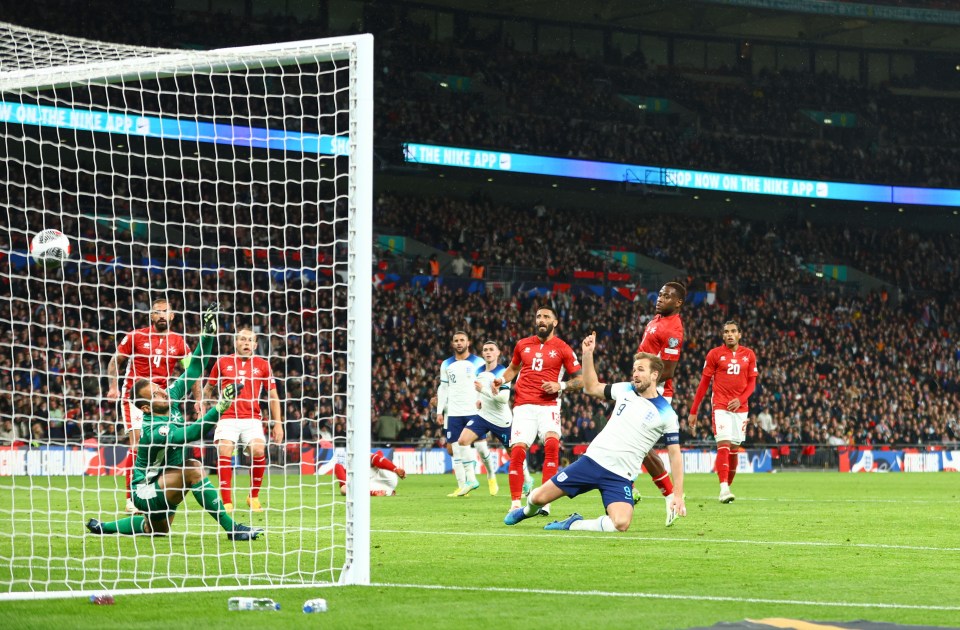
(614, 458)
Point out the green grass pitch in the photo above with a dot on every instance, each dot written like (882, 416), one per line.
(817, 546)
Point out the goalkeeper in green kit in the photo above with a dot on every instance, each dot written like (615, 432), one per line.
(161, 477)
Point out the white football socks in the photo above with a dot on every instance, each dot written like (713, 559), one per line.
(602, 524)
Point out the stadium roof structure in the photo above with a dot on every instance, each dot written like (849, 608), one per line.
(828, 22)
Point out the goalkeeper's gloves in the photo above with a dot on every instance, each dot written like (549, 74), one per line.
(210, 319)
(228, 395)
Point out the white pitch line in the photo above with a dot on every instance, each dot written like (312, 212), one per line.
(741, 499)
(698, 539)
(702, 598)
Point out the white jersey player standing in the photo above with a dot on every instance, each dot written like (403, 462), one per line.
(456, 406)
(639, 418)
(494, 411)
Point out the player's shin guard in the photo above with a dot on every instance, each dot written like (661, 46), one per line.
(129, 526)
(602, 524)
(664, 483)
(723, 464)
(551, 459)
(206, 496)
(467, 458)
(257, 468)
(340, 473)
(225, 477)
(734, 462)
(489, 458)
(518, 457)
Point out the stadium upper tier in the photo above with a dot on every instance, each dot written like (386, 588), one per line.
(811, 120)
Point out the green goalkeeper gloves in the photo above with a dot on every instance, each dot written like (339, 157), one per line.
(228, 395)
(210, 319)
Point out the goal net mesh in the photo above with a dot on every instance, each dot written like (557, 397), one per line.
(233, 175)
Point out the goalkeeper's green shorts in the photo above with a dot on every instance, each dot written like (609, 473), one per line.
(150, 499)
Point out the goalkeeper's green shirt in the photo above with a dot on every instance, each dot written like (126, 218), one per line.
(163, 438)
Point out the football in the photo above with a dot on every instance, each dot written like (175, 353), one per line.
(50, 248)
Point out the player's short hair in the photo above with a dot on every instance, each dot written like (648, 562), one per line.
(492, 343)
(656, 363)
(732, 322)
(243, 327)
(139, 400)
(159, 300)
(547, 307)
(461, 332)
(679, 288)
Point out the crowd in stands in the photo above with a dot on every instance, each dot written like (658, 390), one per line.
(744, 123)
(836, 366)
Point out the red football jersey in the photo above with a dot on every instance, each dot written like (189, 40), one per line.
(541, 362)
(152, 355)
(254, 373)
(663, 337)
(731, 373)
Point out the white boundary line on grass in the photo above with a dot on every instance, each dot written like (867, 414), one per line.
(698, 539)
(486, 589)
(704, 598)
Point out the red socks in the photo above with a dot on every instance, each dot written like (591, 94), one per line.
(225, 475)
(257, 468)
(517, 455)
(723, 464)
(734, 462)
(377, 460)
(340, 473)
(664, 483)
(551, 459)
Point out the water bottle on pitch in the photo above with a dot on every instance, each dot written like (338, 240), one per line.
(317, 605)
(252, 603)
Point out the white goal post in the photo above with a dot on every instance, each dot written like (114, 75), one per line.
(240, 175)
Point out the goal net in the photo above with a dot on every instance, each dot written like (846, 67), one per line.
(237, 175)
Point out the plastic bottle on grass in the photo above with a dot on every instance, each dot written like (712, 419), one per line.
(102, 599)
(252, 603)
(317, 605)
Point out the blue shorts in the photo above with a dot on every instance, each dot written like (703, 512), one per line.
(481, 427)
(585, 475)
(455, 426)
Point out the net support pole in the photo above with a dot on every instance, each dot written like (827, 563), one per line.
(359, 313)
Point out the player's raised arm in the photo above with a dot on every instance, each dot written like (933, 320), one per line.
(113, 368)
(199, 357)
(591, 382)
(193, 432)
(508, 375)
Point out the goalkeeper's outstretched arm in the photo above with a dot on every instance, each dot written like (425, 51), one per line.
(171, 435)
(200, 356)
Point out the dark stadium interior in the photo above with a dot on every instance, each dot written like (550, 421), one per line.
(868, 362)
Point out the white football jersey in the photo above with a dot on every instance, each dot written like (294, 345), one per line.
(494, 409)
(635, 425)
(456, 395)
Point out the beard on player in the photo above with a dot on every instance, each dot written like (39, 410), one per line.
(544, 331)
